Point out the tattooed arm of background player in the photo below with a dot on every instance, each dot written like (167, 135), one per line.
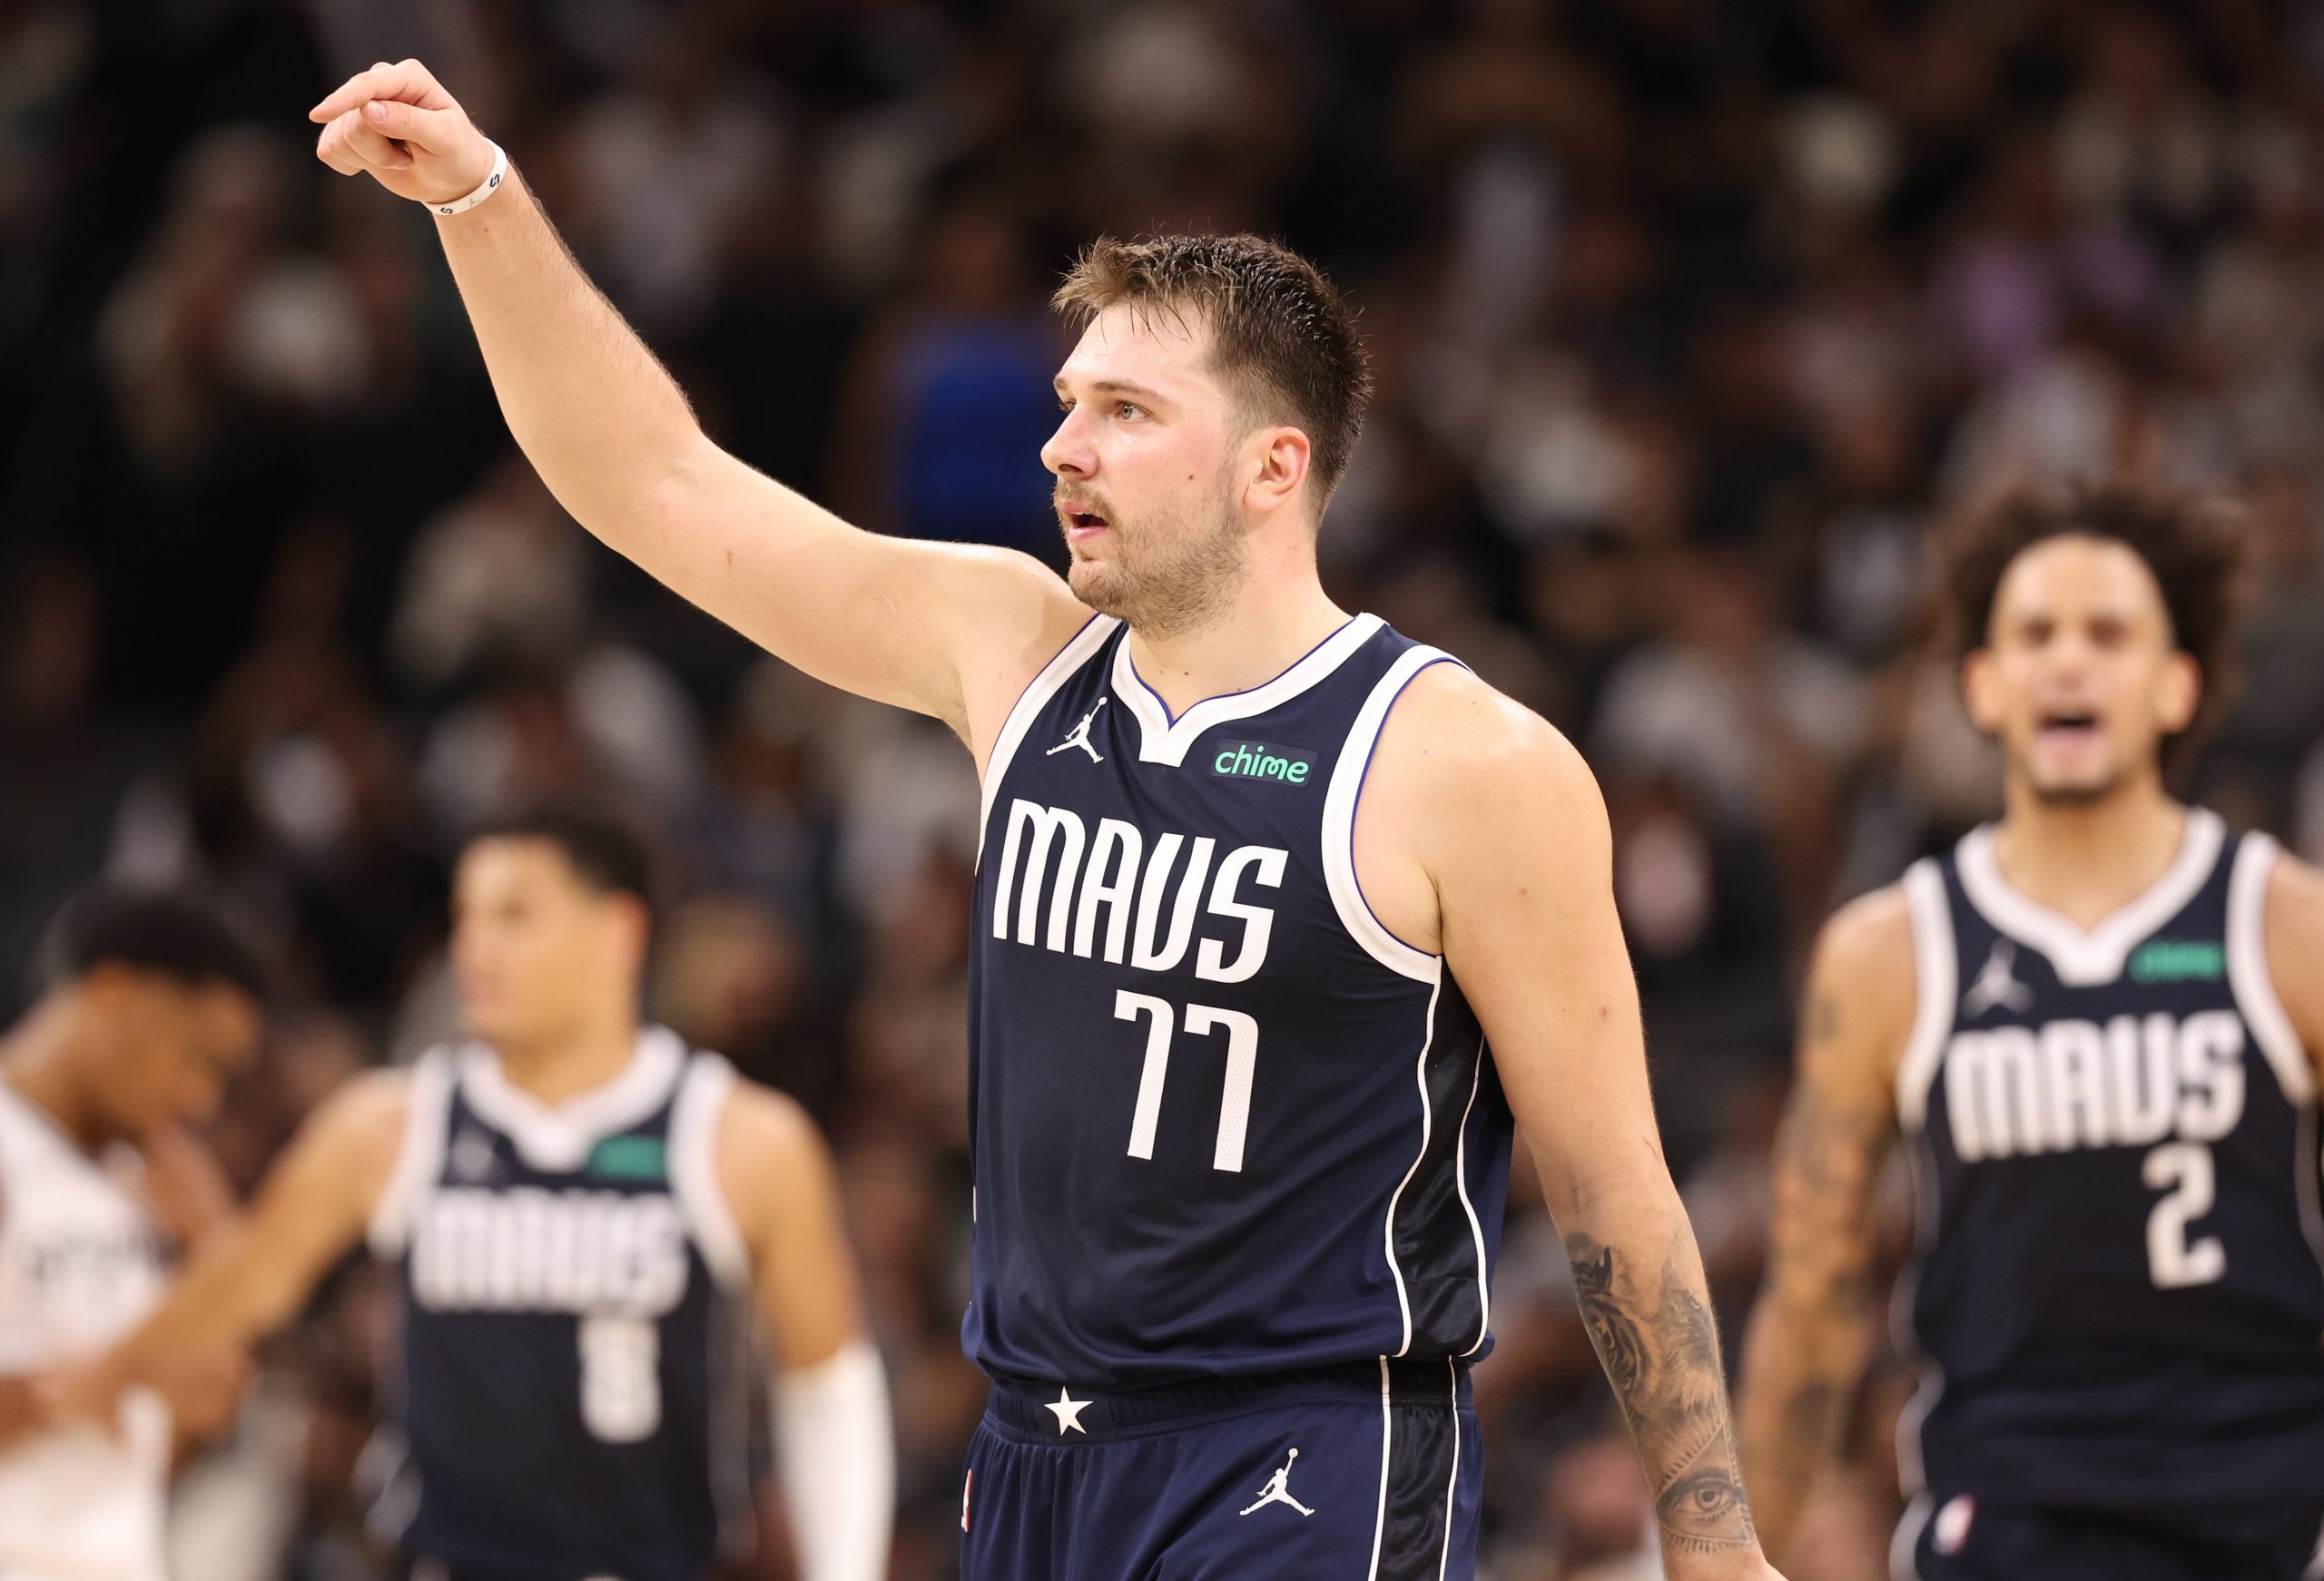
(1813, 1326)
(1513, 833)
(2294, 928)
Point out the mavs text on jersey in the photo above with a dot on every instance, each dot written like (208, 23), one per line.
(2120, 1284)
(569, 1397)
(1239, 1151)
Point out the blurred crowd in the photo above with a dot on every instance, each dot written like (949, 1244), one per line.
(1690, 318)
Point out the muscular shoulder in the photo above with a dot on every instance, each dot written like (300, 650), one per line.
(366, 1115)
(1467, 784)
(1860, 984)
(770, 1156)
(2294, 926)
(1020, 616)
(1453, 743)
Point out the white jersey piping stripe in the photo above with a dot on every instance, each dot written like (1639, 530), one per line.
(1910, 1473)
(1935, 976)
(1162, 739)
(2084, 957)
(1461, 1184)
(1427, 1120)
(1380, 1521)
(1340, 800)
(2247, 969)
(1451, 1483)
(703, 1094)
(1903, 1557)
(428, 1099)
(1028, 707)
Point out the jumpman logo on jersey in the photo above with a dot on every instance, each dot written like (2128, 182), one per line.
(1080, 736)
(1278, 1489)
(1997, 985)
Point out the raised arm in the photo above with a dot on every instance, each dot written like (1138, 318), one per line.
(1813, 1328)
(1508, 828)
(835, 1449)
(948, 631)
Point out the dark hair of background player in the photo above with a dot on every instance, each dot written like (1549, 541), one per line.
(2196, 549)
(172, 932)
(607, 848)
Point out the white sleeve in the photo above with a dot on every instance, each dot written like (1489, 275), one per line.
(835, 1454)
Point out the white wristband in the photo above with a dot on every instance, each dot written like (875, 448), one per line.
(491, 185)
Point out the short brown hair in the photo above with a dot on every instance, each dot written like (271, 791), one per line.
(2196, 548)
(1278, 327)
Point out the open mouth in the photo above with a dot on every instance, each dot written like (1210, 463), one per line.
(2069, 725)
(1080, 523)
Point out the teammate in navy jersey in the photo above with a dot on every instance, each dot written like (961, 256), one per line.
(1257, 881)
(588, 1222)
(2092, 1026)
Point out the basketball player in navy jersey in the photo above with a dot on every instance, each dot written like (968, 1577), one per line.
(155, 1003)
(2093, 1027)
(587, 1222)
(1259, 878)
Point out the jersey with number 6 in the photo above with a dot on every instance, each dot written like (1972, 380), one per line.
(568, 1398)
(2120, 1288)
(1224, 1122)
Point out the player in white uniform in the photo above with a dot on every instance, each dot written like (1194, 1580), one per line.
(156, 1001)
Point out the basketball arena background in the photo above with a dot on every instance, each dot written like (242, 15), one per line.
(1690, 317)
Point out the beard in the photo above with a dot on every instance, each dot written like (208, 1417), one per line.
(1169, 571)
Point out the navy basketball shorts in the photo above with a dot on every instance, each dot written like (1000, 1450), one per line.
(1957, 1538)
(1372, 1472)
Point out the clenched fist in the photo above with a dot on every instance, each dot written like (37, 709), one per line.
(398, 126)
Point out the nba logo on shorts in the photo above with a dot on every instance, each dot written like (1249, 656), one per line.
(1951, 1527)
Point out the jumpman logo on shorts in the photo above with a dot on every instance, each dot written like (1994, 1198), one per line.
(1997, 984)
(1080, 736)
(1278, 1489)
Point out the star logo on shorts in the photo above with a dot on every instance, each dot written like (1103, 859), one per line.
(1067, 1412)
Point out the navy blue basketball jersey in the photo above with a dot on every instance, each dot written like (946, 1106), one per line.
(2120, 1289)
(1222, 1121)
(568, 1398)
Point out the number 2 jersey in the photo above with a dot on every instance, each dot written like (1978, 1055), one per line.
(1223, 1122)
(2120, 1287)
(569, 1397)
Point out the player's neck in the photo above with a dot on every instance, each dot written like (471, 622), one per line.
(2086, 860)
(554, 1069)
(37, 1062)
(1272, 622)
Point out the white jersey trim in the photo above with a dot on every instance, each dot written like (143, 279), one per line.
(1029, 705)
(1340, 802)
(428, 1096)
(1388, 1224)
(1935, 976)
(1163, 739)
(2084, 957)
(1387, 1431)
(556, 1137)
(702, 1093)
(1461, 1184)
(2248, 974)
(1451, 1483)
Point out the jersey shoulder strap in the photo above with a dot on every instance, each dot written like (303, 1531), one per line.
(426, 1129)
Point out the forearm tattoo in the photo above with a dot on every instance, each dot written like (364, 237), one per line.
(1661, 1355)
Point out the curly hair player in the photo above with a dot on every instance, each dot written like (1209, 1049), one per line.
(1239, 1151)
(2093, 1025)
